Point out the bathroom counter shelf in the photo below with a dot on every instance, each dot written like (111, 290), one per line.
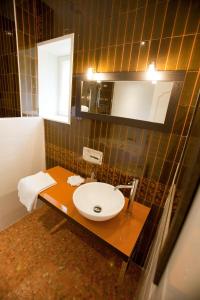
(121, 233)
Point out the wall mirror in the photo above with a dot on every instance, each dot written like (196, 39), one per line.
(128, 98)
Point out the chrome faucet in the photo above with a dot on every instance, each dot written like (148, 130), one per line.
(92, 178)
(133, 186)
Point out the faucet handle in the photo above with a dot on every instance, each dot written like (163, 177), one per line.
(93, 176)
(133, 180)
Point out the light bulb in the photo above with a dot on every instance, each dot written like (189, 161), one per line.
(98, 77)
(152, 74)
(90, 73)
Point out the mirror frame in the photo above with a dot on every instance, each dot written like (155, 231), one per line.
(176, 76)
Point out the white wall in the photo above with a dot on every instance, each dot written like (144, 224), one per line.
(55, 79)
(181, 279)
(22, 153)
(47, 79)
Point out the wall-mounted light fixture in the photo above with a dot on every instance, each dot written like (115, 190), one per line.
(92, 75)
(98, 77)
(152, 74)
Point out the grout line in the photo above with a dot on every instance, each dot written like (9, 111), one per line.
(115, 51)
(112, 127)
(136, 11)
(138, 42)
(171, 38)
(115, 159)
(18, 65)
(150, 40)
(123, 157)
(144, 19)
(186, 22)
(125, 32)
(109, 33)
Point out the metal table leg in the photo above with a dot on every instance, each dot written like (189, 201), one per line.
(57, 226)
(122, 272)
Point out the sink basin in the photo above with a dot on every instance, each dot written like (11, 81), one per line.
(98, 201)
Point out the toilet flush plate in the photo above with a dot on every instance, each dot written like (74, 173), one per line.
(92, 155)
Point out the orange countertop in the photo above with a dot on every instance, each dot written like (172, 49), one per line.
(121, 232)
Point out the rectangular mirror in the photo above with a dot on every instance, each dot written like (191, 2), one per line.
(126, 98)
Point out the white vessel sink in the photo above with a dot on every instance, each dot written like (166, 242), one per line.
(98, 201)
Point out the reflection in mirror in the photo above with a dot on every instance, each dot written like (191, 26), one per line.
(140, 100)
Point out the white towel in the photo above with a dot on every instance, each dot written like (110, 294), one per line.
(29, 187)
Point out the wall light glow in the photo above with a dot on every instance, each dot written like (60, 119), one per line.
(98, 77)
(90, 73)
(152, 74)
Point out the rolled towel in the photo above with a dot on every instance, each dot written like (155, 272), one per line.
(75, 180)
(29, 187)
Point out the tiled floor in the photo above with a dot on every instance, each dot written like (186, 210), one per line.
(69, 264)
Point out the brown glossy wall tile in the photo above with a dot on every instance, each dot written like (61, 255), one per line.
(163, 53)
(195, 61)
(130, 26)
(182, 122)
(126, 56)
(182, 17)
(139, 21)
(173, 53)
(9, 83)
(160, 15)
(121, 27)
(153, 51)
(185, 52)
(142, 58)
(133, 57)
(189, 84)
(193, 18)
(149, 20)
(171, 15)
(118, 58)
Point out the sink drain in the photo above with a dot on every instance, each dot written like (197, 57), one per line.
(97, 209)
